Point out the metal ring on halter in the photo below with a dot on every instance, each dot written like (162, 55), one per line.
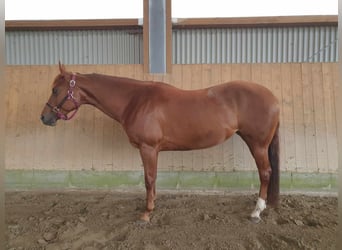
(55, 110)
(72, 83)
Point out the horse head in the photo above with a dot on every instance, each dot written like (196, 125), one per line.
(64, 98)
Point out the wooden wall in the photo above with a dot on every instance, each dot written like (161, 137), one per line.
(93, 141)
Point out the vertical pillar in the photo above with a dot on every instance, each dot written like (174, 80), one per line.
(2, 127)
(157, 35)
(339, 134)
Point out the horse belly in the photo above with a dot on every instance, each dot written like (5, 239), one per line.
(196, 134)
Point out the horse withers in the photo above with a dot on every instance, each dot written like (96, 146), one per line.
(159, 117)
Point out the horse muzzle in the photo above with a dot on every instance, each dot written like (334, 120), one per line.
(49, 119)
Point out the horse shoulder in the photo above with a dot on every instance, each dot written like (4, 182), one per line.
(140, 119)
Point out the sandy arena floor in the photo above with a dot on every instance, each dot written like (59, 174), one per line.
(92, 220)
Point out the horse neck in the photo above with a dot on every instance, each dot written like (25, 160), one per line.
(111, 95)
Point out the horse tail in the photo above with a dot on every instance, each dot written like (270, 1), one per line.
(273, 156)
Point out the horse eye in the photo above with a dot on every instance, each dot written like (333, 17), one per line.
(54, 91)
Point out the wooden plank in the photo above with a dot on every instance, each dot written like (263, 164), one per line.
(256, 73)
(84, 136)
(309, 120)
(97, 157)
(107, 143)
(92, 24)
(329, 79)
(216, 76)
(337, 91)
(20, 146)
(255, 21)
(298, 117)
(319, 117)
(25, 138)
(288, 118)
(187, 81)
(32, 120)
(12, 115)
(39, 149)
(43, 133)
(266, 76)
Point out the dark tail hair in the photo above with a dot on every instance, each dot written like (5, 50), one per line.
(273, 156)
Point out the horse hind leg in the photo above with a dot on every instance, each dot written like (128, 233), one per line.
(260, 155)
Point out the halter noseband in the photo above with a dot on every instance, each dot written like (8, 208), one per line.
(69, 96)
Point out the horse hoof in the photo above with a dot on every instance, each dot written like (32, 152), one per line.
(142, 223)
(145, 218)
(255, 220)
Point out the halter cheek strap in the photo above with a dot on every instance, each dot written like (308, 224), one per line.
(69, 96)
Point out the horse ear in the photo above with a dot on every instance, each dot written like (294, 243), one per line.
(61, 67)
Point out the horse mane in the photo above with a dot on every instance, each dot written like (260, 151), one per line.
(125, 80)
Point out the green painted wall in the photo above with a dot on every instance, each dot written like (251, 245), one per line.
(20, 179)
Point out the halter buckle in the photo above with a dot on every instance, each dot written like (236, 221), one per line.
(71, 94)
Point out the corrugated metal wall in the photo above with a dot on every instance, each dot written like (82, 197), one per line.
(190, 46)
(255, 45)
(74, 47)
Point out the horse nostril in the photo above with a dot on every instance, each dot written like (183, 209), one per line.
(42, 117)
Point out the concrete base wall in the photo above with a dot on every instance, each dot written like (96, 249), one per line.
(178, 180)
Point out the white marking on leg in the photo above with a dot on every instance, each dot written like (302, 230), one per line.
(260, 206)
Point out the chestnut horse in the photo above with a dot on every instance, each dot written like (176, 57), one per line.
(158, 117)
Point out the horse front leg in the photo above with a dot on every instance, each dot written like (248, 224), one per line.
(149, 156)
